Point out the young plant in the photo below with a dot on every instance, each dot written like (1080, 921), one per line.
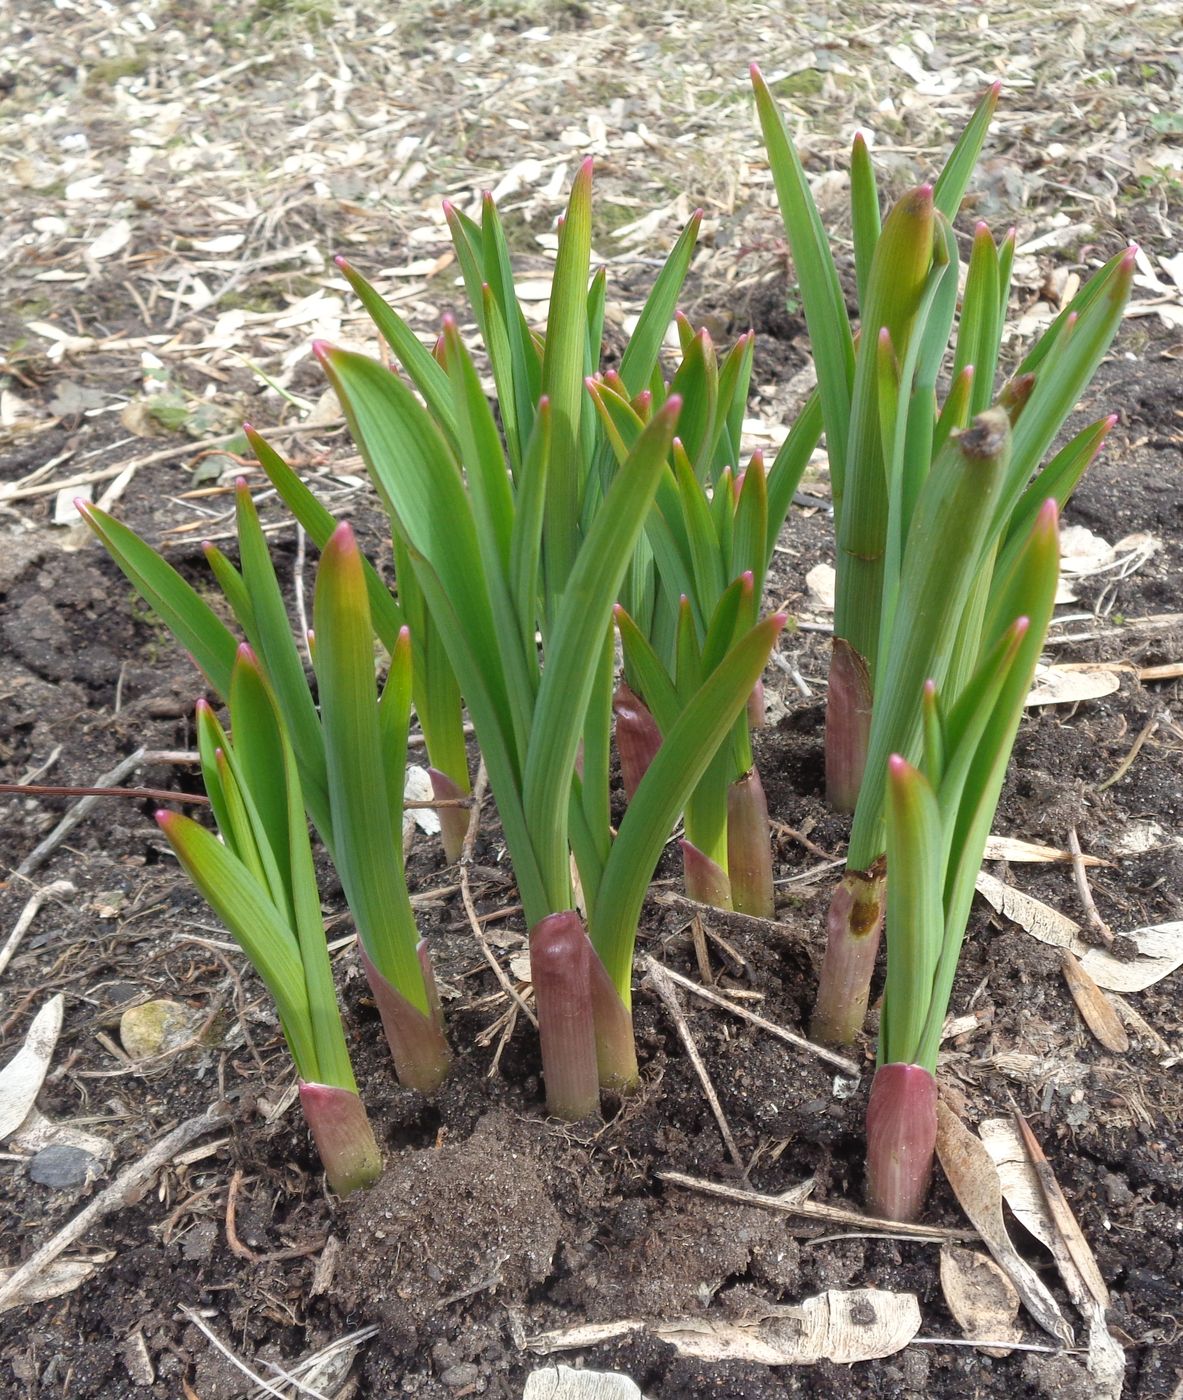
(911, 590)
(477, 539)
(939, 815)
(710, 537)
(261, 883)
(350, 754)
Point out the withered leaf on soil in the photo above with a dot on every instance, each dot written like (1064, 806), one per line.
(842, 1326)
(1063, 685)
(1029, 1194)
(983, 1301)
(975, 1182)
(1097, 1011)
(62, 1276)
(1158, 948)
(22, 1077)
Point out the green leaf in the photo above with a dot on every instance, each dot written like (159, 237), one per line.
(573, 648)
(244, 907)
(282, 661)
(788, 467)
(187, 616)
(864, 212)
(817, 277)
(369, 848)
(938, 572)
(415, 358)
(914, 912)
(949, 190)
(562, 384)
(319, 524)
(682, 759)
(641, 353)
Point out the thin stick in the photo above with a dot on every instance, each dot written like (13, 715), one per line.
(838, 1061)
(466, 853)
(123, 1190)
(28, 914)
(81, 809)
(17, 492)
(1080, 875)
(152, 794)
(665, 988)
(1127, 762)
(796, 1203)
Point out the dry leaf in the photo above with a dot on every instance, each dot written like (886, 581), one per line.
(1012, 848)
(1066, 685)
(1082, 552)
(840, 1326)
(418, 789)
(111, 241)
(586, 1334)
(1027, 1197)
(971, 1173)
(22, 1077)
(983, 1301)
(62, 1276)
(1095, 1008)
(1157, 949)
(1064, 1223)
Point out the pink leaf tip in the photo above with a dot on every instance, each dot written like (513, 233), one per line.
(321, 349)
(897, 765)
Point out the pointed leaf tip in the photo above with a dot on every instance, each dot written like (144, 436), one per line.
(339, 260)
(321, 349)
(898, 766)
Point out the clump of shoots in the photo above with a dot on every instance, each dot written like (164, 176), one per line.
(259, 879)
(911, 593)
(938, 817)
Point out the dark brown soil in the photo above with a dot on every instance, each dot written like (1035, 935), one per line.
(492, 1224)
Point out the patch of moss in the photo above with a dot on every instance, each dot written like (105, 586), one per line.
(106, 74)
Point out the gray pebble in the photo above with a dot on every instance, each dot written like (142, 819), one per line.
(61, 1166)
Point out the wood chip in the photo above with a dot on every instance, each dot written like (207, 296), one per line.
(22, 1077)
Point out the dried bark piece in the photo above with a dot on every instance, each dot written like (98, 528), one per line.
(22, 1077)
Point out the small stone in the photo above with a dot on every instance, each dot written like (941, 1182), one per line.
(61, 1167)
(156, 1027)
(460, 1375)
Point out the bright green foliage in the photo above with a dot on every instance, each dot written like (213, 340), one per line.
(939, 815)
(259, 879)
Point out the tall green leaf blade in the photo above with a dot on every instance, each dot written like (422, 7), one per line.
(821, 292)
(369, 847)
(788, 467)
(319, 523)
(243, 906)
(186, 615)
(953, 181)
(641, 353)
(412, 354)
(674, 773)
(864, 212)
(914, 912)
(562, 383)
(282, 661)
(574, 646)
